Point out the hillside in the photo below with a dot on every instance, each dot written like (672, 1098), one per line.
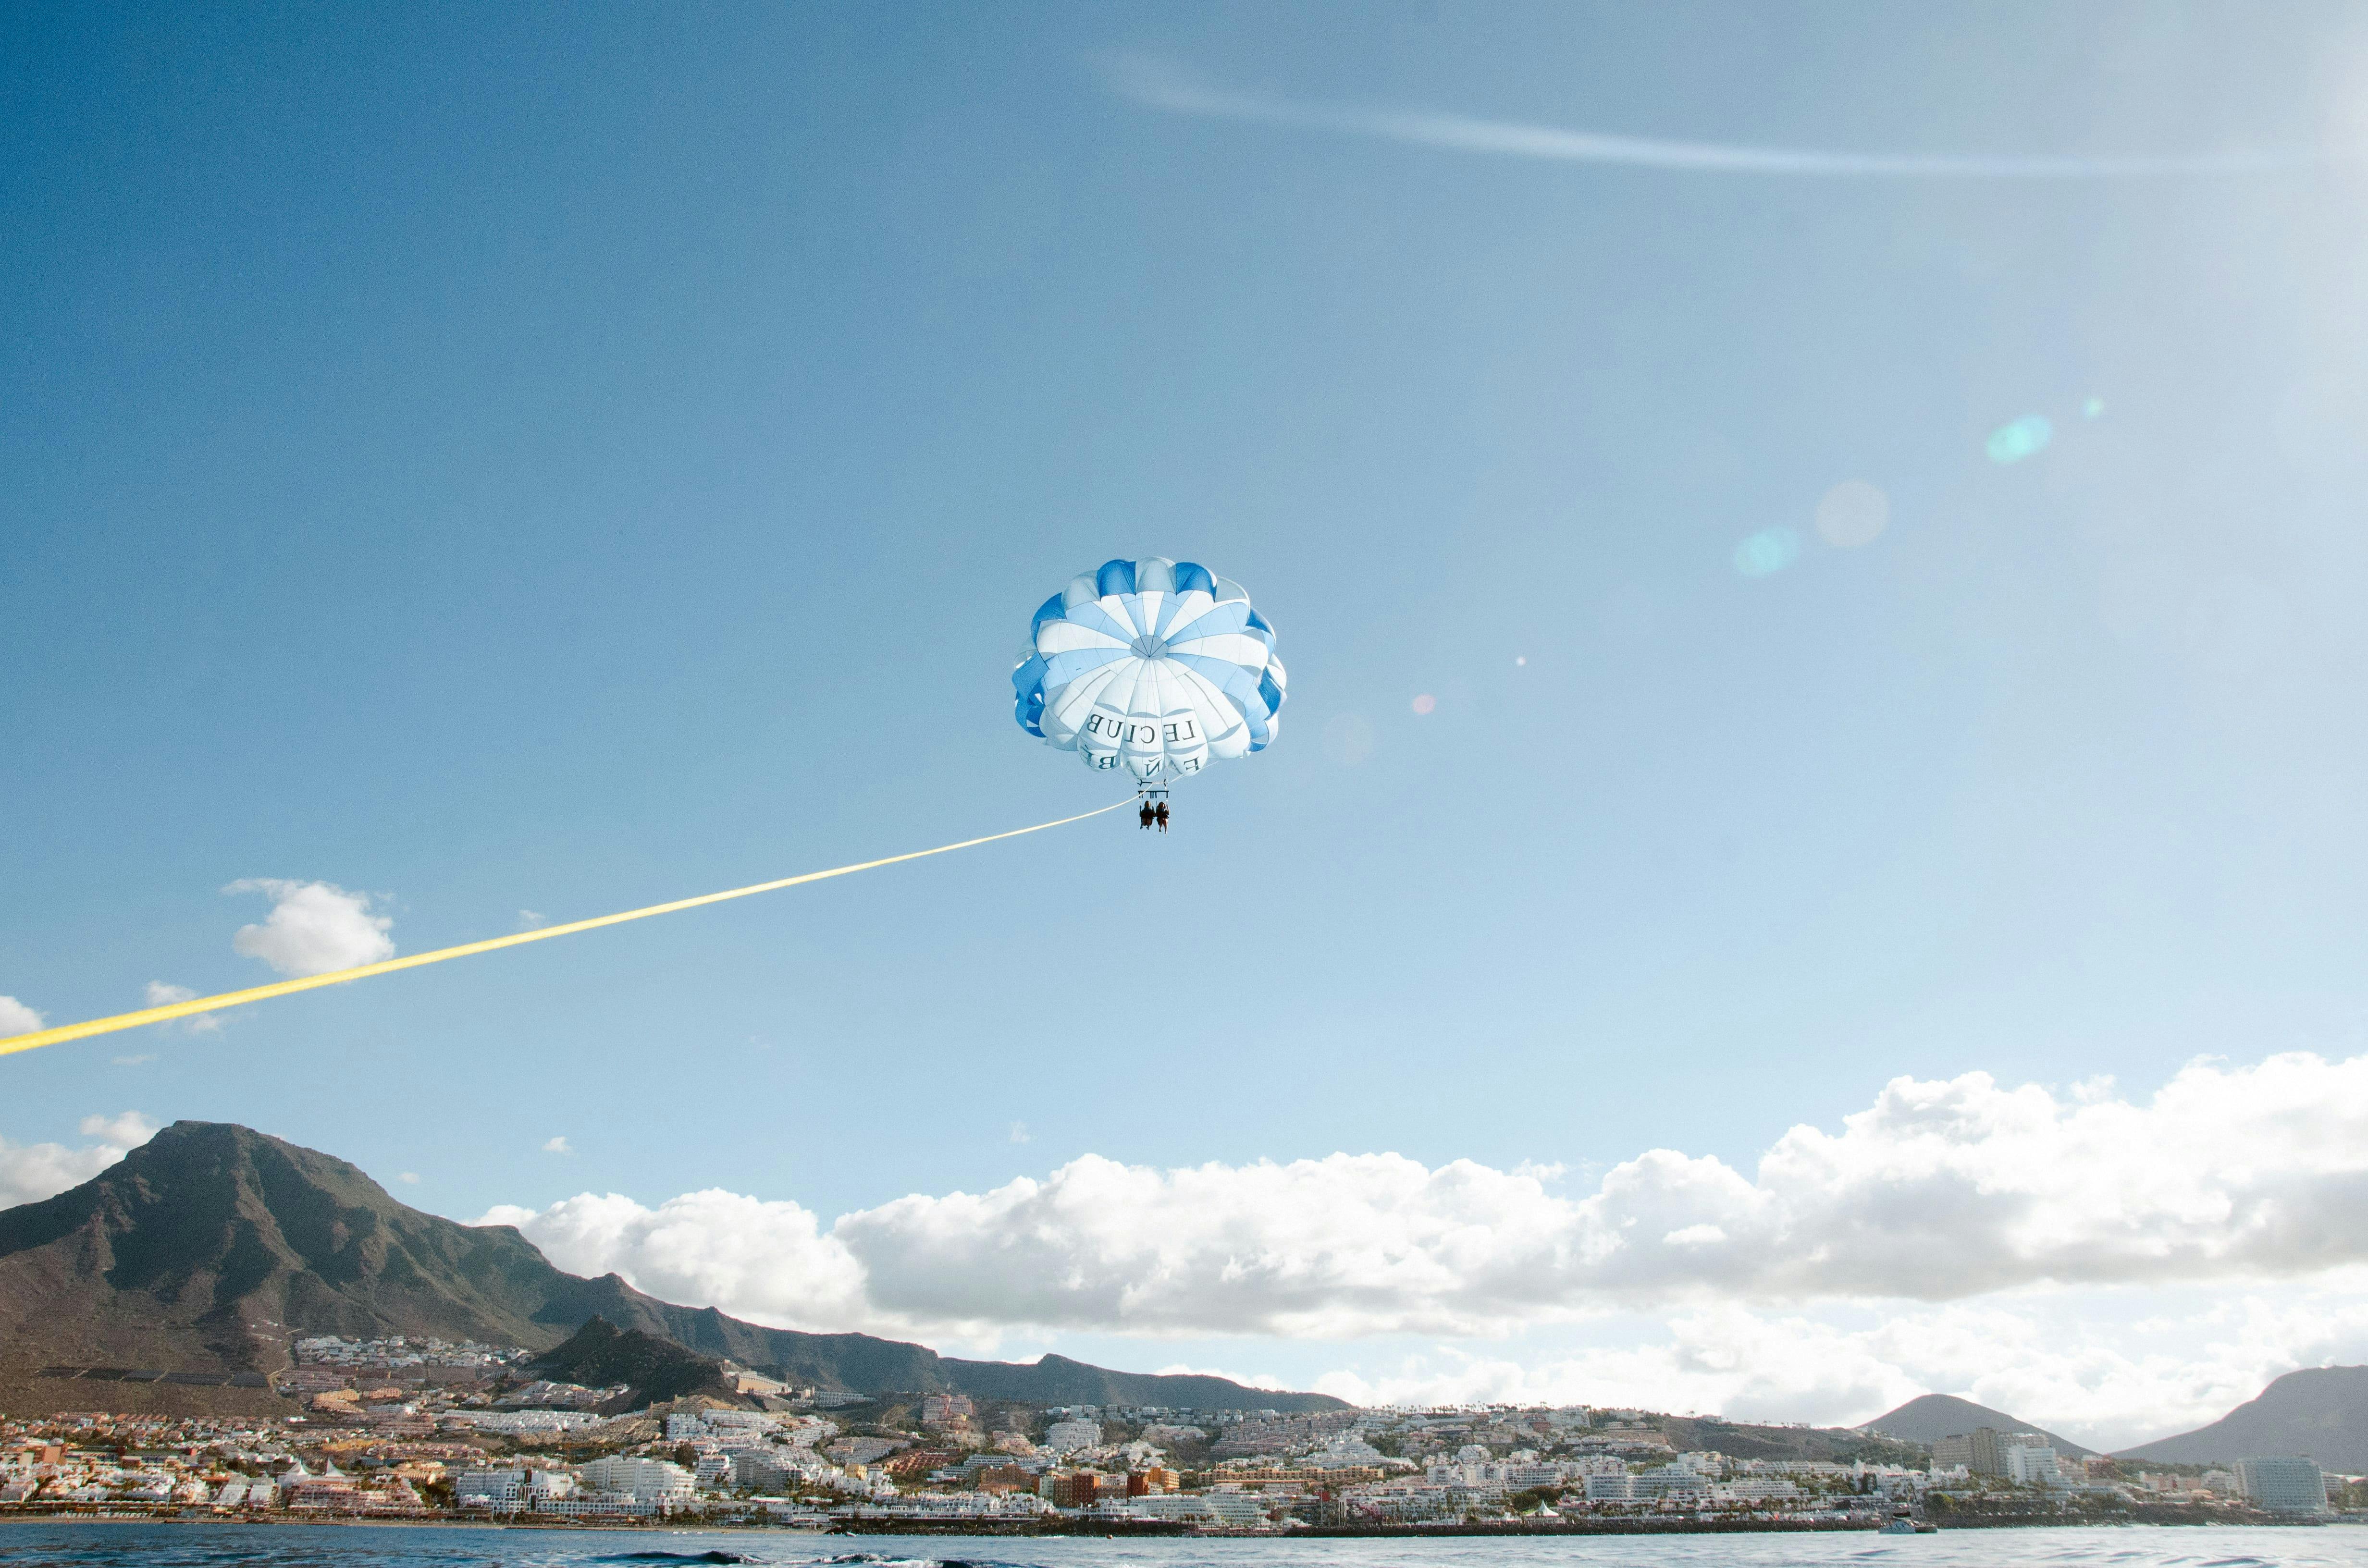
(207, 1248)
(2321, 1412)
(1744, 1440)
(599, 1355)
(1929, 1418)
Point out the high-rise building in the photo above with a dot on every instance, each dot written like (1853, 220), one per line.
(1069, 1489)
(1984, 1450)
(2287, 1485)
(2032, 1464)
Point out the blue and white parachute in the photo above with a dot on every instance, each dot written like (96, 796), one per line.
(1154, 667)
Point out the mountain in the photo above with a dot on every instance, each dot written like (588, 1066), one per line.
(600, 1355)
(206, 1249)
(1744, 1440)
(1929, 1418)
(2322, 1411)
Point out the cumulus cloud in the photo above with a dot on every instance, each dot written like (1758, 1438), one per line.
(121, 1132)
(160, 994)
(17, 1018)
(765, 1260)
(2078, 1362)
(557, 1146)
(409, 1178)
(30, 1171)
(1939, 1191)
(313, 928)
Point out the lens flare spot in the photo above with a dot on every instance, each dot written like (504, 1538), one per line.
(2027, 436)
(1424, 703)
(1520, 659)
(2093, 409)
(1852, 513)
(1349, 739)
(1768, 551)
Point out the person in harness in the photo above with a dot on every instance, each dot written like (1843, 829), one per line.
(1161, 816)
(1145, 815)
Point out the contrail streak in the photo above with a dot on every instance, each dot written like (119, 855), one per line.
(1157, 85)
(64, 1032)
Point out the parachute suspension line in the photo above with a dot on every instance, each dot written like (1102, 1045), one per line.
(64, 1032)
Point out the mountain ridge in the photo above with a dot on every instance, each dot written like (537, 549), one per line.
(2319, 1410)
(1929, 1417)
(212, 1245)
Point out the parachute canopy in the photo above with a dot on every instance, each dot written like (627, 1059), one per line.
(1154, 667)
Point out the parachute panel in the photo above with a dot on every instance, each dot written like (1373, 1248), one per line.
(1154, 667)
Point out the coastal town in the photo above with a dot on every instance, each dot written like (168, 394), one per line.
(421, 1429)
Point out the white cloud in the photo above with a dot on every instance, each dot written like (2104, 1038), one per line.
(557, 1146)
(313, 928)
(409, 1178)
(30, 1171)
(1157, 84)
(17, 1018)
(529, 919)
(2076, 1362)
(765, 1260)
(161, 994)
(1247, 1379)
(1020, 1132)
(141, 1059)
(124, 1131)
(1939, 1191)
(1918, 1246)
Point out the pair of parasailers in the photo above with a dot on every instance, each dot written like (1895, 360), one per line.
(1154, 813)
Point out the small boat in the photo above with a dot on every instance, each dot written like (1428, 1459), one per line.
(1903, 1522)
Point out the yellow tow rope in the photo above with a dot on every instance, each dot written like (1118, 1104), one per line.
(172, 1010)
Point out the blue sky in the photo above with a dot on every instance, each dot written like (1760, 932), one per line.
(558, 460)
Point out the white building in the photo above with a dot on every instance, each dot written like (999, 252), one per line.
(502, 1490)
(1067, 1436)
(1345, 1452)
(774, 1467)
(2282, 1485)
(1236, 1509)
(1678, 1481)
(598, 1505)
(546, 1486)
(743, 1420)
(1168, 1505)
(1755, 1489)
(645, 1480)
(2032, 1464)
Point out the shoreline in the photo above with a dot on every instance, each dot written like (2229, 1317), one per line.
(1164, 1529)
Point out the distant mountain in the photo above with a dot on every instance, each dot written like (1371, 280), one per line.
(1929, 1418)
(207, 1248)
(2322, 1411)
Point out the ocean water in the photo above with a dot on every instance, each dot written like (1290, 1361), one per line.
(87, 1544)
